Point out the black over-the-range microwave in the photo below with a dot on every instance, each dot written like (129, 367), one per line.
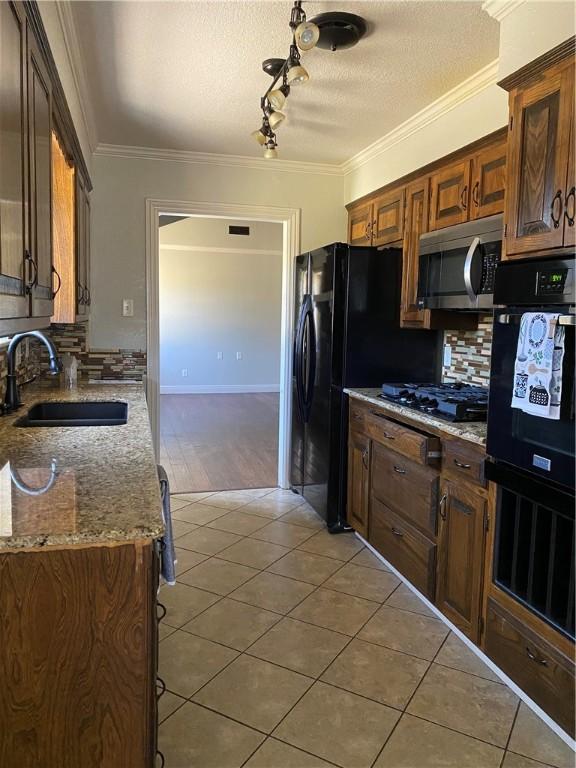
(457, 265)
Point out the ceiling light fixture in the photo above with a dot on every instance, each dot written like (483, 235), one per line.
(330, 31)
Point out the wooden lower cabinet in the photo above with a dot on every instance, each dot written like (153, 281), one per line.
(78, 661)
(540, 669)
(358, 481)
(461, 542)
(412, 553)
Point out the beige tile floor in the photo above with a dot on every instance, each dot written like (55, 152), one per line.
(286, 647)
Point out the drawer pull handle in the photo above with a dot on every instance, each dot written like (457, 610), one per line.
(365, 458)
(399, 470)
(461, 465)
(443, 506)
(537, 659)
(556, 219)
(160, 611)
(396, 532)
(160, 688)
(357, 416)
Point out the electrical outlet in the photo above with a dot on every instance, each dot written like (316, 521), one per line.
(447, 360)
(220, 355)
(127, 307)
(238, 355)
(184, 372)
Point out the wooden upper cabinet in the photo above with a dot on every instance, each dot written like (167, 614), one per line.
(83, 298)
(450, 193)
(360, 224)
(488, 181)
(40, 140)
(461, 540)
(541, 113)
(358, 481)
(15, 271)
(416, 223)
(570, 199)
(388, 217)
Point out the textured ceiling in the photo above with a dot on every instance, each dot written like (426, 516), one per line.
(187, 75)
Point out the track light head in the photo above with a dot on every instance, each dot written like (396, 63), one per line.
(306, 35)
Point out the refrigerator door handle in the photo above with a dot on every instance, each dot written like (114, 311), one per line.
(299, 358)
(311, 360)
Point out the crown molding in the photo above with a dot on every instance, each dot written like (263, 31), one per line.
(482, 79)
(215, 249)
(499, 9)
(206, 158)
(79, 76)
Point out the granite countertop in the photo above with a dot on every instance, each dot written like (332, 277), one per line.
(473, 431)
(101, 482)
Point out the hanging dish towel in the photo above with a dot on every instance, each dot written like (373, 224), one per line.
(167, 551)
(537, 386)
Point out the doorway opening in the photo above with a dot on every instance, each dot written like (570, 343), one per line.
(194, 437)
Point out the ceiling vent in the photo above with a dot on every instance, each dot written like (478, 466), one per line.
(232, 230)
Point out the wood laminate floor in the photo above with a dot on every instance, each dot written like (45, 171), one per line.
(219, 442)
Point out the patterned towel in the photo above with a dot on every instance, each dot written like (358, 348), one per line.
(538, 368)
(167, 552)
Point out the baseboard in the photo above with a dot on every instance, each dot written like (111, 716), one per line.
(217, 389)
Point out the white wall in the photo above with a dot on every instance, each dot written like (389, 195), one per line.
(215, 300)
(121, 186)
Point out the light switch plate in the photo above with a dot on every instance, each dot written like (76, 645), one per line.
(238, 355)
(127, 307)
(220, 355)
(447, 361)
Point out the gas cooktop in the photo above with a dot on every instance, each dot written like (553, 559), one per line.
(452, 402)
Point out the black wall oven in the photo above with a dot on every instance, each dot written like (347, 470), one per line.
(531, 458)
(544, 447)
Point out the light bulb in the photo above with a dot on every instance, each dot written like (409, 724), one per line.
(275, 118)
(297, 74)
(270, 153)
(277, 99)
(259, 136)
(307, 35)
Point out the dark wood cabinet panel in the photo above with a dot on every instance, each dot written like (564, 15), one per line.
(570, 198)
(83, 298)
(449, 198)
(358, 481)
(405, 487)
(388, 217)
(412, 553)
(75, 670)
(360, 225)
(538, 149)
(488, 182)
(461, 538)
(40, 154)
(538, 668)
(14, 301)
(416, 223)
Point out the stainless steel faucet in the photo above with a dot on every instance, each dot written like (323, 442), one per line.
(12, 396)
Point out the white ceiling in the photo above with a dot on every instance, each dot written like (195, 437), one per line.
(187, 75)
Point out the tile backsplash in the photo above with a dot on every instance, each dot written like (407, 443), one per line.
(471, 352)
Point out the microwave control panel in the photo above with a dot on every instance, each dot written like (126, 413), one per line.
(554, 282)
(490, 260)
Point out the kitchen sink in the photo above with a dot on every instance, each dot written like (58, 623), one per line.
(79, 414)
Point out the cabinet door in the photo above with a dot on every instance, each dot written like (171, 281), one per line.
(14, 301)
(360, 225)
(40, 152)
(538, 148)
(461, 555)
(570, 200)
(416, 223)
(488, 182)
(83, 298)
(388, 217)
(450, 188)
(358, 481)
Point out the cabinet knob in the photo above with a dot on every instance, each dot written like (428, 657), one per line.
(535, 658)
(33, 272)
(475, 198)
(55, 272)
(399, 470)
(396, 532)
(368, 230)
(556, 199)
(442, 506)
(461, 464)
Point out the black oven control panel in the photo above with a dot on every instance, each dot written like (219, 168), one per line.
(554, 282)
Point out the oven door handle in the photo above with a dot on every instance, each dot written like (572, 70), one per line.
(472, 293)
(516, 318)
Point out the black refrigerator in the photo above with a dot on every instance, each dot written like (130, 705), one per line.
(347, 334)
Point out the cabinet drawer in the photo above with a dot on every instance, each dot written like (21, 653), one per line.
(537, 667)
(406, 487)
(424, 449)
(405, 547)
(356, 416)
(463, 461)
